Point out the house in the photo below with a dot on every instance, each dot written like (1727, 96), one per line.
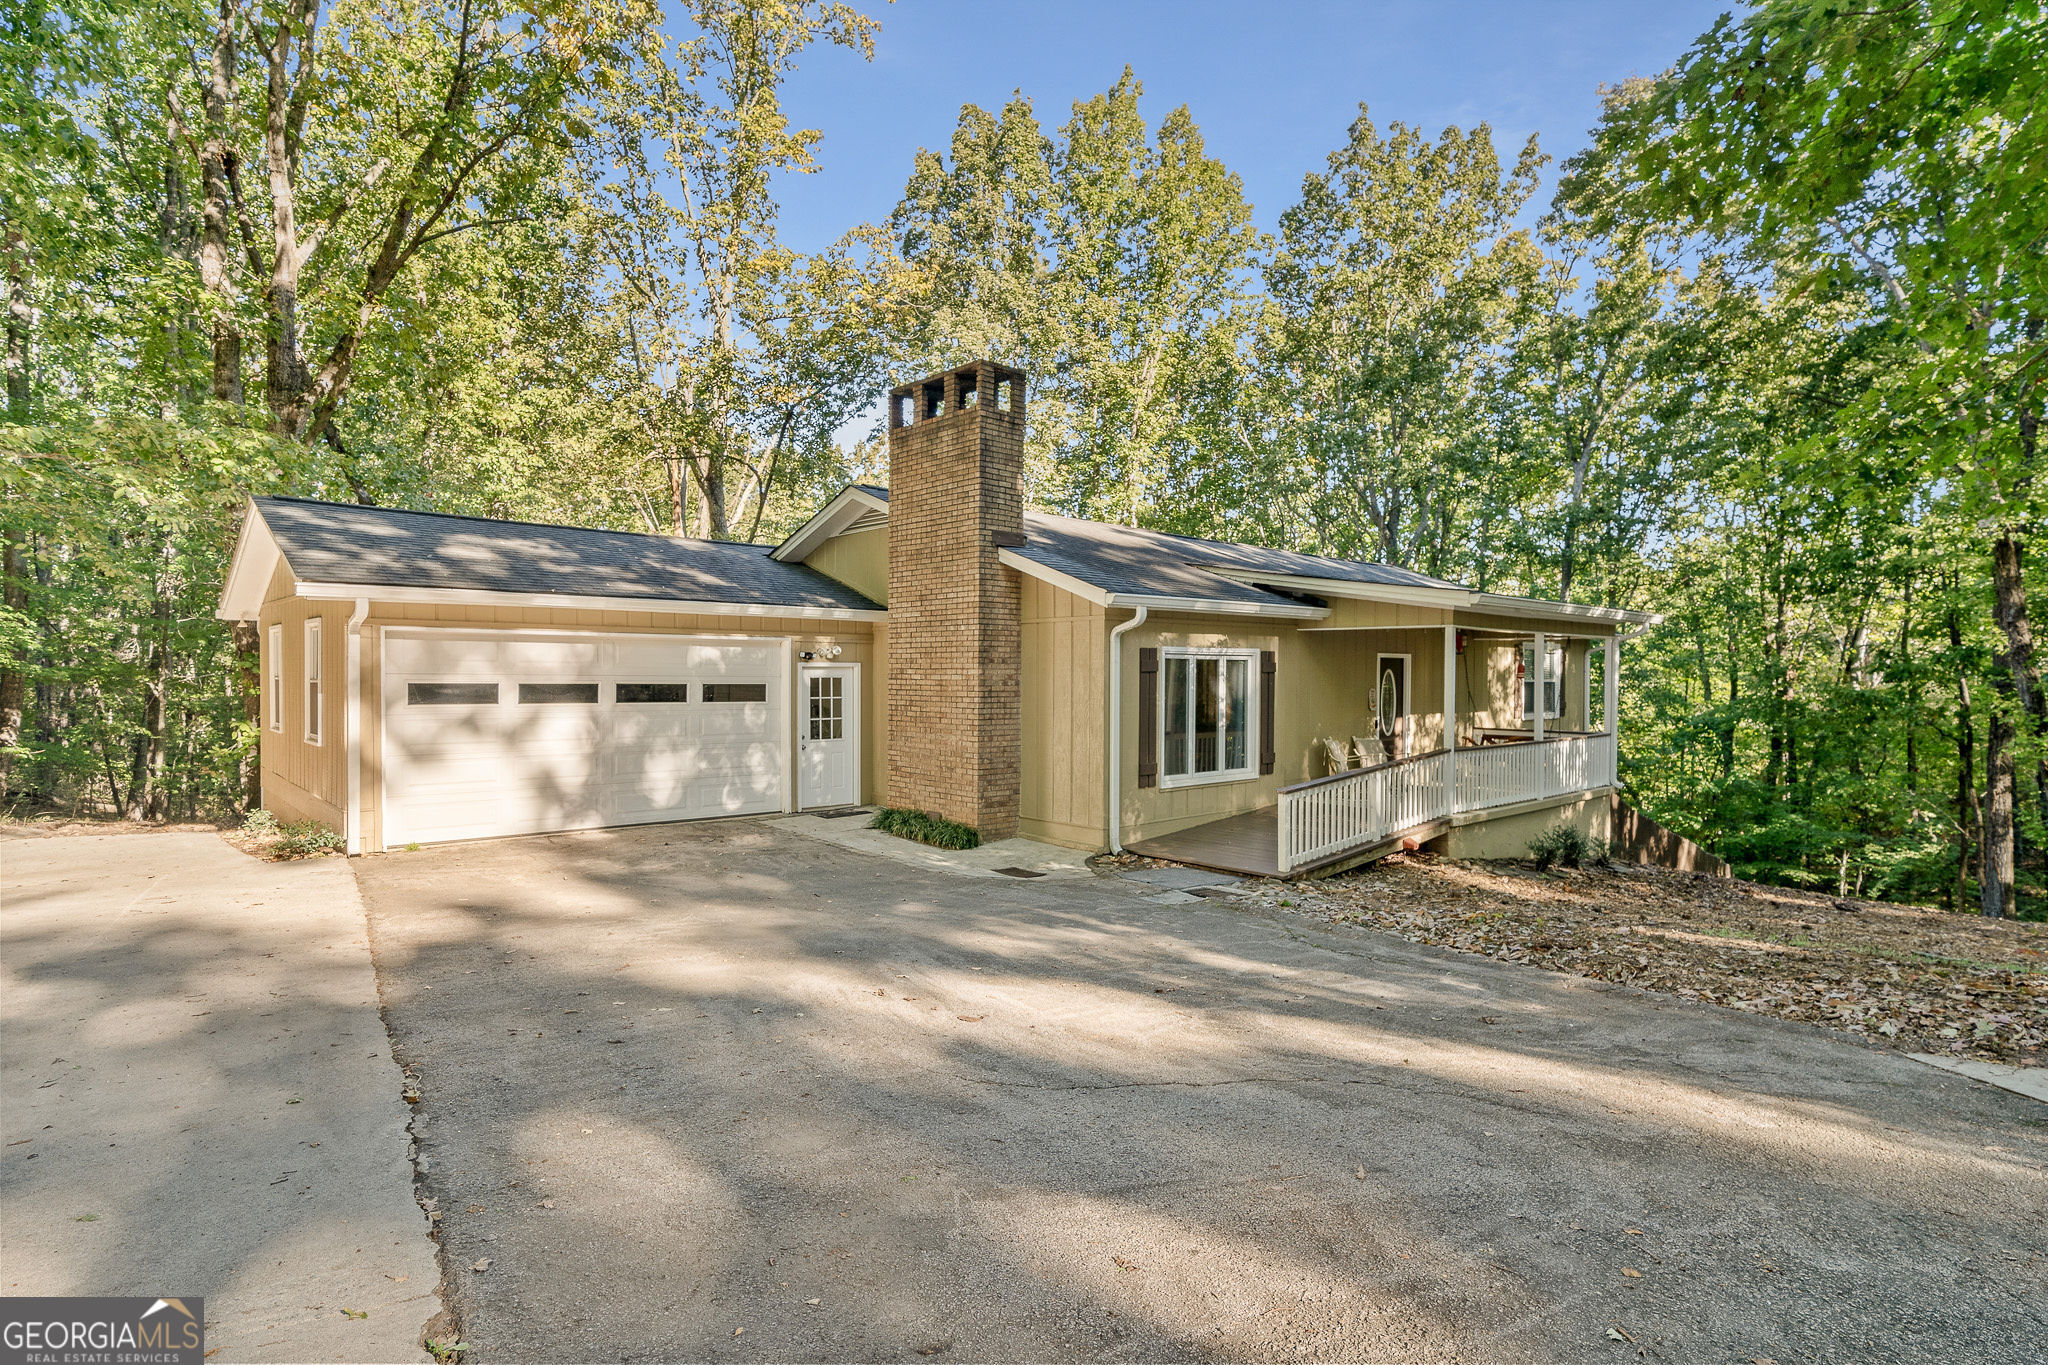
(932, 645)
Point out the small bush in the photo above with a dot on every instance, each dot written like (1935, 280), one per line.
(281, 842)
(926, 829)
(1568, 845)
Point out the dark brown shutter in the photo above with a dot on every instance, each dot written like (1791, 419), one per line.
(1267, 758)
(1148, 717)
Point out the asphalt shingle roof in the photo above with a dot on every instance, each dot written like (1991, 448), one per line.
(329, 542)
(1125, 559)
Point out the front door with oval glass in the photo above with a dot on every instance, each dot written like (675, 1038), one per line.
(1392, 702)
(828, 737)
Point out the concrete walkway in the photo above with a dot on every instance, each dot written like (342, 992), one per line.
(198, 1097)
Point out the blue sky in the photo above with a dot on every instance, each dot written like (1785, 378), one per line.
(1273, 86)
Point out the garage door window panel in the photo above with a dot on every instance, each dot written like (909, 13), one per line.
(715, 693)
(651, 694)
(558, 694)
(451, 694)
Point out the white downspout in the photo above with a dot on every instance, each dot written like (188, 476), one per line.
(1116, 729)
(352, 725)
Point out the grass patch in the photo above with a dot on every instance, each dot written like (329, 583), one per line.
(935, 830)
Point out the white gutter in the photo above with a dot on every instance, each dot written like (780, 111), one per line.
(1116, 729)
(352, 727)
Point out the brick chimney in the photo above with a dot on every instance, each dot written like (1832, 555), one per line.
(956, 496)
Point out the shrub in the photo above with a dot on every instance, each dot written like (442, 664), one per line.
(926, 829)
(260, 823)
(1569, 845)
(306, 839)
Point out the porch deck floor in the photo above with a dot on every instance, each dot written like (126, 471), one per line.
(1247, 844)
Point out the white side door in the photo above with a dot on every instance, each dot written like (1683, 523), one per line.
(828, 736)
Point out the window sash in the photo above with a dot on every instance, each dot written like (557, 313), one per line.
(1553, 684)
(312, 667)
(276, 679)
(1207, 701)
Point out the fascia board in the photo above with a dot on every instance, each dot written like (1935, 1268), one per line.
(1348, 588)
(255, 558)
(484, 597)
(1559, 611)
(827, 522)
(1157, 602)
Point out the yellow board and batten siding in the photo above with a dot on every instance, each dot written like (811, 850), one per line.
(1065, 654)
(307, 782)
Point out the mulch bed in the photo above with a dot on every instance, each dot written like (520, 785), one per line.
(1921, 980)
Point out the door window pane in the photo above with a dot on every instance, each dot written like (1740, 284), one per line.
(641, 693)
(1174, 761)
(827, 703)
(716, 692)
(557, 694)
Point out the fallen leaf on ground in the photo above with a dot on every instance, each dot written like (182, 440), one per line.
(970, 1018)
(1632, 1274)
(1893, 975)
(481, 1266)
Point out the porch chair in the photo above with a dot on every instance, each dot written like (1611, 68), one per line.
(1335, 755)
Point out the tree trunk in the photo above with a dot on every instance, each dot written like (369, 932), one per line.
(2019, 685)
(286, 382)
(1996, 841)
(145, 776)
(1969, 815)
(19, 316)
(214, 269)
(11, 678)
(248, 685)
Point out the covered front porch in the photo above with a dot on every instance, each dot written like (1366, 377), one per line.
(1516, 729)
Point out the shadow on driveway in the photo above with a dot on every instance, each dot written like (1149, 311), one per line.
(720, 1091)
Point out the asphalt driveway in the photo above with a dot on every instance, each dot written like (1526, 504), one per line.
(727, 1092)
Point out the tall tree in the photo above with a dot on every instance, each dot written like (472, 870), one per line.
(684, 209)
(1389, 285)
(1900, 145)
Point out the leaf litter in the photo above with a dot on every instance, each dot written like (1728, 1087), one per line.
(1893, 975)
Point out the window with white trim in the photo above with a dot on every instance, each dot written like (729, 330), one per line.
(1553, 682)
(313, 681)
(1207, 701)
(276, 679)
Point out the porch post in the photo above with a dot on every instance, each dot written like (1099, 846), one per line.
(1450, 717)
(1542, 656)
(1613, 706)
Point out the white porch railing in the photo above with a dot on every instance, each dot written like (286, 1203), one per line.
(1331, 815)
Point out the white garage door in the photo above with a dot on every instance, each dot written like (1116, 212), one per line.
(488, 734)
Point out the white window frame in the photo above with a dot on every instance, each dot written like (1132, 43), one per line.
(1554, 681)
(275, 673)
(315, 690)
(1250, 771)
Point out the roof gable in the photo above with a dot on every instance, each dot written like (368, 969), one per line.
(372, 547)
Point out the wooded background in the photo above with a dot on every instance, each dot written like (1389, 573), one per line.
(1771, 363)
